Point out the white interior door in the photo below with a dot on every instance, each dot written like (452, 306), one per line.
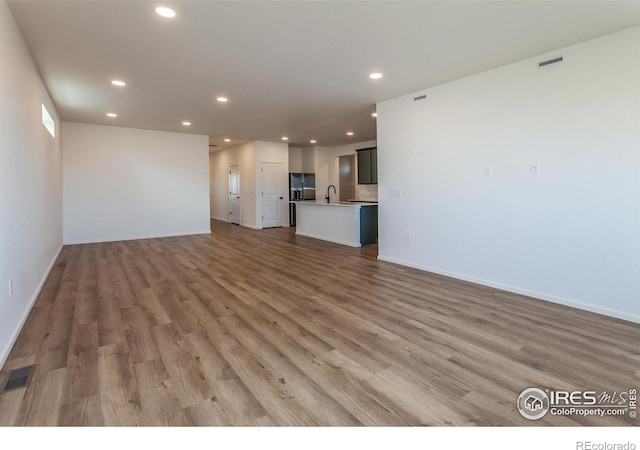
(234, 194)
(272, 195)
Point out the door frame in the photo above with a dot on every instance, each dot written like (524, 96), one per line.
(283, 210)
(239, 197)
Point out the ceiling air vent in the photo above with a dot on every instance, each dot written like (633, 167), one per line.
(549, 61)
(420, 97)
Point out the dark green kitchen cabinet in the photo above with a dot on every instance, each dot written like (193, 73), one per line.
(368, 165)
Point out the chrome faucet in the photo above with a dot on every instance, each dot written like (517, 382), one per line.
(334, 191)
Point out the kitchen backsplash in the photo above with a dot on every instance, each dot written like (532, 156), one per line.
(368, 192)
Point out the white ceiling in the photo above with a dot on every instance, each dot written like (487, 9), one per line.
(288, 68)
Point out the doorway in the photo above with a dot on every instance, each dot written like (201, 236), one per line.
(272, 195)
(234, 194)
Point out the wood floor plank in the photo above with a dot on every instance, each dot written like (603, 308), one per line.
(31, 337)
(150, 374)
(10, 403)
(207, 413)
(264, 421)
(155, 313)
(265, 328)
(239, 405)
(82, 376)
(160, 407)
(81, 413)
(337, 340)
(345, 378)
(185, 375)
(118, 391)
(110, 327)
(42, 401)
(416, 399)
(295, 384)
(141, 345)
(271, 394)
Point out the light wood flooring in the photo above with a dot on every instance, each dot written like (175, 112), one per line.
(260, 328)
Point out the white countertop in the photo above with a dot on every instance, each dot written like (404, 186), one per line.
(340, 204)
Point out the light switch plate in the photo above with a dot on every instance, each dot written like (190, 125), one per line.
(395, 193)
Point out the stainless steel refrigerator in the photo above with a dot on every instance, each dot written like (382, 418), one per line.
(302, 187)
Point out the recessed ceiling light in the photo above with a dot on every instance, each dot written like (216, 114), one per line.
(227, 140)
(374, 114)
(349, 133)
(165, 12)
(118, 83)
(313, 141)
(375, 76)
(284, 138)
(222, 99)
(186, 124)
(335, 122)
(112, 115)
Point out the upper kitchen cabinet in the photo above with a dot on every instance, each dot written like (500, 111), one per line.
(368, 165)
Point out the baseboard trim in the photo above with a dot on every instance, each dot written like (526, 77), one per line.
(516, 290)
(134, 238)
(5, 352)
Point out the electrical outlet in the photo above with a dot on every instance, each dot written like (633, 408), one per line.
(408, 238)
(10, 287)
(535, 168)
(488, 171)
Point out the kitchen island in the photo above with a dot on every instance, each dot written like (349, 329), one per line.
(347, 223)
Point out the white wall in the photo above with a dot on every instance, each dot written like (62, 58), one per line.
(220, 161)
(302, 160)
(124, 183)
(273, 152)
(295, 159)
(570, 234)
(308, 160)
(327, 168)
(30, 183)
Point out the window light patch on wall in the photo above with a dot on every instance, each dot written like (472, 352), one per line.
(48, 122)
